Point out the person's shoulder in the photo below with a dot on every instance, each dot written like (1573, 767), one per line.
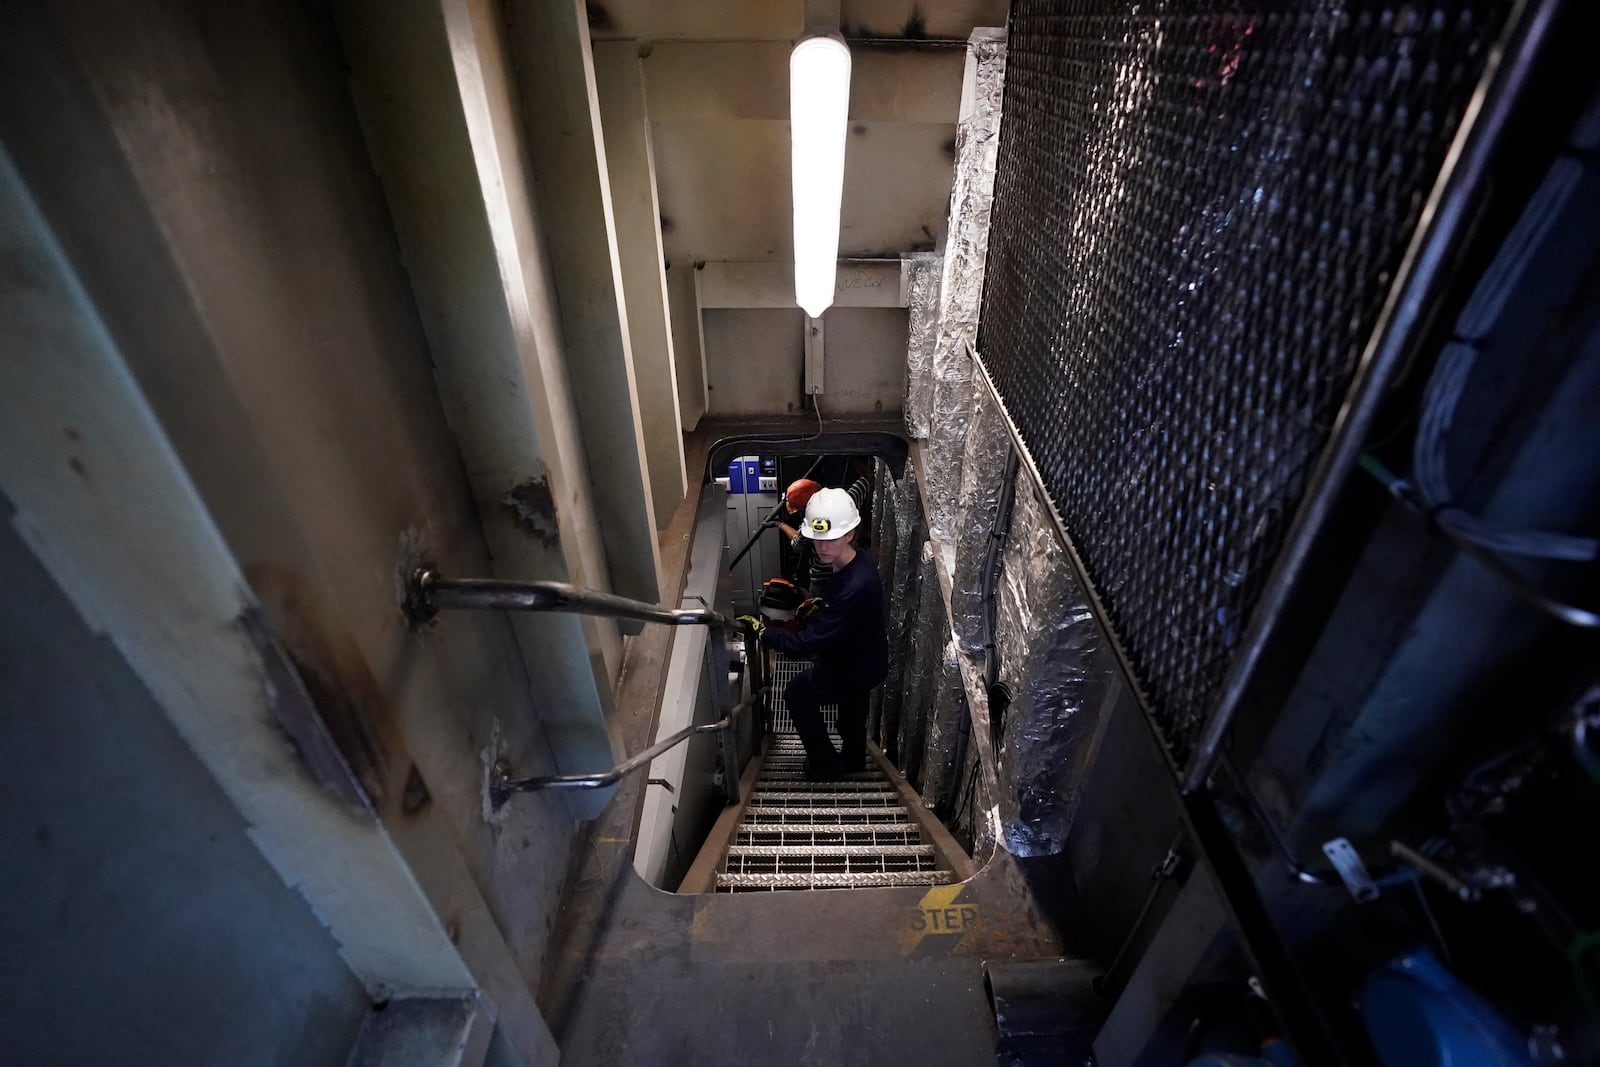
(866, 569)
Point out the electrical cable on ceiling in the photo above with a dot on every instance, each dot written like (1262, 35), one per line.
(816, 405)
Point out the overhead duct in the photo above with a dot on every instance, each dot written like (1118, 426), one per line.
(1059, 673)
(946, 721)
(983, 467)
(920, 272)
(961, 287)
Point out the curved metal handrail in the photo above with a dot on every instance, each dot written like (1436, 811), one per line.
(429, 594)
(502, 785)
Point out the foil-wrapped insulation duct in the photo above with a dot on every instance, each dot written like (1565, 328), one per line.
(979, 819)
(947, 720)
(920, 273)
(1053, 658)
(929, 635)
(961, 286)
(900, 569)
(960, 821)
(884, 545)
(982, 472)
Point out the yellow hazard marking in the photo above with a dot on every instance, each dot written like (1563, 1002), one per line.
(939, 914)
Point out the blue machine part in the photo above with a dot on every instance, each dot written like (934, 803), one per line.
(744, 474)
(1419, 1015)
(1274, 1053)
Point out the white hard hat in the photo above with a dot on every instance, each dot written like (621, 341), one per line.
(830, 514)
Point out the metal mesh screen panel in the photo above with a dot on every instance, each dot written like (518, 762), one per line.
(1198, 211)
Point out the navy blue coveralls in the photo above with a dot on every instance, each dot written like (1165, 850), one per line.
(851, 648)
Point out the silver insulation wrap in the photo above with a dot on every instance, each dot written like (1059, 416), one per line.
(961, 287)
(1051, 656)
(920, 276)
(982, 470)
(903, 536)
(983, 820)
(927, 640)
(884, 543)
(947, 720)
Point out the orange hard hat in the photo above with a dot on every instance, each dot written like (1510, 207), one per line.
(799, 493)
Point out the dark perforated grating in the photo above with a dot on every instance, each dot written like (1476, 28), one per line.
(1198, 210)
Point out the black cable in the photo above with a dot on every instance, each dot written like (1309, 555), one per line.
(1407, 495)
(783, 502)
(1105, 984)
(816, 405)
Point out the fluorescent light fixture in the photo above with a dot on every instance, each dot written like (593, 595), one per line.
(819, 107)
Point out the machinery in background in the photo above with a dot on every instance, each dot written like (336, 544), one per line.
(753, 495)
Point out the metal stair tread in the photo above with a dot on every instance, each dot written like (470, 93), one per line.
(829, 833)
(857, 811)
(828, 798)
(830, 850)
(846, 786)
(864, 880)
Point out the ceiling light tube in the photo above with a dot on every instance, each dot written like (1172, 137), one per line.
(819, 107)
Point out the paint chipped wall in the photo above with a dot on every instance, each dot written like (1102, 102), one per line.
(117, 849)
(240, 252)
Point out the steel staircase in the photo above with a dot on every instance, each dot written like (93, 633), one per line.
(797, 834)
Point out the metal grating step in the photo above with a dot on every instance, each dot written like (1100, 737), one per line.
(889, 833)
(824, 798)
(882, 785)
(748, 851)
(800, 813)
(791, 773)
(863, 880)
(808, 863)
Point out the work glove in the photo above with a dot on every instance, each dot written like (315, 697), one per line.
(753, 623)
(809, 607)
